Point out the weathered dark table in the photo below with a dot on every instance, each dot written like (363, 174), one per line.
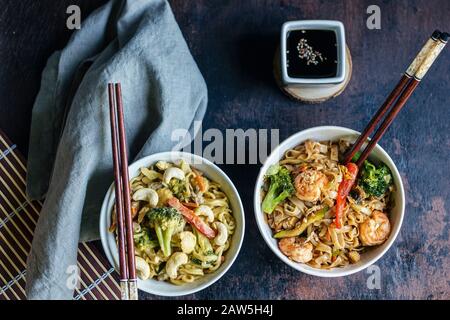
(233, 43)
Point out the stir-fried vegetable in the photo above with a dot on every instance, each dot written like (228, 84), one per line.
(203, 243)
(192, 218)
(319, 215)
(344, 188)
(280, 187)
(179, 189)
(144, 240)
(165, 221)
(375, 181)
(200, 182)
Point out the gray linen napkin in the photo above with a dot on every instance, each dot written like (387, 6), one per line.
(137, 43)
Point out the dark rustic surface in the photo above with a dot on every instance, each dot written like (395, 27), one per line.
(233, 43)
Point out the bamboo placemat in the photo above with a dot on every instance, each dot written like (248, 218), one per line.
(18, 217)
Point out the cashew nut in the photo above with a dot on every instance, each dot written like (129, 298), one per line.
(146, 194)
(173, 172)
(222, 234)
(188, 241)
(205, 211)
(163, 165)
(142, 268)
(174, 262)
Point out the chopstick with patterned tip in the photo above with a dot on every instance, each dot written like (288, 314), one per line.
(401, 93)
(119, 197)
(422, 69)
(126, 195)
(128, 279)
(406, 77)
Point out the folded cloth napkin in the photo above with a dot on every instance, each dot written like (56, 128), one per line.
(137, 43)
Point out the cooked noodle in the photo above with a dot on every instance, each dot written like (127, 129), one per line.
(331, 247)
(207, 256)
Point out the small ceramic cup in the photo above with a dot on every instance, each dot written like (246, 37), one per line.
(335, 26)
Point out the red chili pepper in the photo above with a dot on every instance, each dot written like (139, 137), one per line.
(191, 205)
(343, 190)
(192, 218)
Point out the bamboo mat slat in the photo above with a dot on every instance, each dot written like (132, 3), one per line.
(18, 217)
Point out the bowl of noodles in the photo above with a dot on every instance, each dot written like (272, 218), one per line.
(295, 199)
(188, 223)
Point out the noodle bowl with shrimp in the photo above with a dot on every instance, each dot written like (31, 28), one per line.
(298, 199)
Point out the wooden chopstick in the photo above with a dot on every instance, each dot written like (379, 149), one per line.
(123, 263)
(127, 263)
(405, 95)
(126, 195)
(393, 96)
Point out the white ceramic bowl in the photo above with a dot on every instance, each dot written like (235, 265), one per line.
(378, 154)
(214, 173)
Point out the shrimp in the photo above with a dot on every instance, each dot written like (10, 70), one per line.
(375, 230)
(296, 249)
(309, 184)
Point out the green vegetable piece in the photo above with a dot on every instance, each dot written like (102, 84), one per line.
(336, 253)
(179, 189)
(375, 181)
(281, 187)
(165, 221)
(206, 248)
(319, 215)
(273, 169)
(203, 242)
(144, 240)
(356, 156)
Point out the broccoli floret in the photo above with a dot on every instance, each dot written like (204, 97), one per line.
(165, 221)
(179, 190)
(375, 181)
(280, 187)
(144, 240)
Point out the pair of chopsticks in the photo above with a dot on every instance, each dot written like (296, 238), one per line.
(401, 93)
(128, 279)
(398, 97)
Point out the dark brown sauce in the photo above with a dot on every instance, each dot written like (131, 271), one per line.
(311, 54)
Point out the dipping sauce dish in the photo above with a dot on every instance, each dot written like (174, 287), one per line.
(312, 52)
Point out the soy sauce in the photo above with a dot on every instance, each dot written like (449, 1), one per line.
(311, 54)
